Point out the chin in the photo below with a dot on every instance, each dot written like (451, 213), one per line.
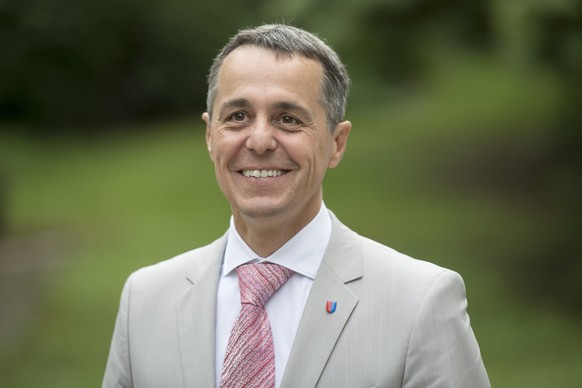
(261, 209)
(260, 212)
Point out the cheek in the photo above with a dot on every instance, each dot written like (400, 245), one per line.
(223, 148)
(316, 156)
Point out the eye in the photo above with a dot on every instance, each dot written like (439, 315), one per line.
(288, 122)
(237, 119)
(238, 116)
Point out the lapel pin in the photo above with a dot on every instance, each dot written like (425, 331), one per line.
(330, 306)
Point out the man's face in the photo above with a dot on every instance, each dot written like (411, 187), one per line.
(268, 136)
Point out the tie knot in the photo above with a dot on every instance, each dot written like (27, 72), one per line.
(259, 281)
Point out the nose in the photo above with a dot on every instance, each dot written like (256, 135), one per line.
(261, 137)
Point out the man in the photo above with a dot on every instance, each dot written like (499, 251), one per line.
(340, 310)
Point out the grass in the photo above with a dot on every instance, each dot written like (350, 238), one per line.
(134, 197)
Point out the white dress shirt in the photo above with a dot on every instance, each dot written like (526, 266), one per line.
(302, 254)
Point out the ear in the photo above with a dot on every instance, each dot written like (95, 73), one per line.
(340, 140)
(206, 118)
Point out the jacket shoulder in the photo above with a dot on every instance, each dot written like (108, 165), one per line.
(190, 265)
(383, 257)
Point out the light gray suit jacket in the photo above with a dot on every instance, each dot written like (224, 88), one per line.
(399, 322)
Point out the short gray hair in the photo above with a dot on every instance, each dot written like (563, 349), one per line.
(287, 40)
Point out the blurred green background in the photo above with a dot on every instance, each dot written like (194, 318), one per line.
(465, 151)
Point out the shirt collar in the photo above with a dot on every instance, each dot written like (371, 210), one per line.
(303, 253)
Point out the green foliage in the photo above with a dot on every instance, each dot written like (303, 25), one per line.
(92, 62)
(87, 63)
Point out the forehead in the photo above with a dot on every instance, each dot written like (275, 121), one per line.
(264, 59)
(255, 70)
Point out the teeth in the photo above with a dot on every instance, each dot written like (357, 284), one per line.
(262, 173)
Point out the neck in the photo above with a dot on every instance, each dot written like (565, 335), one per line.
(264, 236)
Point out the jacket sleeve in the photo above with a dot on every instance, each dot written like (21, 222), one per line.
(443, 351)
(118, 369)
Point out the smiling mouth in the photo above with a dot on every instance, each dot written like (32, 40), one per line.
(263, 173)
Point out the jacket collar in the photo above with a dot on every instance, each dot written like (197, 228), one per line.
(319, 330)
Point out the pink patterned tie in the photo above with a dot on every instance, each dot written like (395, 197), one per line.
(250, 356)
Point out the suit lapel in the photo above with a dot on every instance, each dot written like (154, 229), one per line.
(196, 315)
(319, 330)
